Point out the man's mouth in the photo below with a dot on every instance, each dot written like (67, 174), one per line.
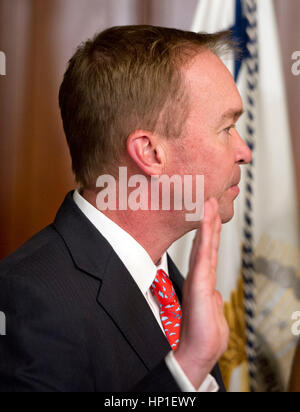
(234, 190)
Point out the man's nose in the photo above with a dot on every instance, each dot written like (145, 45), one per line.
(243, 152)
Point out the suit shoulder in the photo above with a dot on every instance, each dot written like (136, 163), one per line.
(41, 278)
(35, 253)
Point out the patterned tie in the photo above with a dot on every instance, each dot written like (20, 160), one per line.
(170, 310)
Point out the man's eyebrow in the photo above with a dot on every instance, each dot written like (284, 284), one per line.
(231, 114)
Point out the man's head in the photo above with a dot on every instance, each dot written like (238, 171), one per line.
(149, 98)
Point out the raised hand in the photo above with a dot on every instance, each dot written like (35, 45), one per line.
(204, 330)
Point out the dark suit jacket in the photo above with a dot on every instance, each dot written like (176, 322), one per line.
(76, 320)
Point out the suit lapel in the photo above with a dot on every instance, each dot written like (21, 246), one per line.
(176, 278)
(89, 249)
(121, 298)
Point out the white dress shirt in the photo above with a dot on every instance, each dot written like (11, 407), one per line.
(143, 271)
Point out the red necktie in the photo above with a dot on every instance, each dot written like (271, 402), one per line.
(170, 310)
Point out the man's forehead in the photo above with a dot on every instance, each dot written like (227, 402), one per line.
(208, 75)
(205, 62)
(211, 84)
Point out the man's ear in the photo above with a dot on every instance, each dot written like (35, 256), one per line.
(144, 149)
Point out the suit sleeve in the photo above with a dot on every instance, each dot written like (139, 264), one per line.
(35, 356)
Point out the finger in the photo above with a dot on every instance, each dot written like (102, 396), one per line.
(195, 248)
(207, 228)
(219, 301)
(204, 255)
(216, 242)
(199, 234)
(208, 255)
(211, 216)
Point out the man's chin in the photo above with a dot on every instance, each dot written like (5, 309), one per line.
(226, 219)
(227, 214)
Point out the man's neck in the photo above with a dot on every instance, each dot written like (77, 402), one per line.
(153, 230)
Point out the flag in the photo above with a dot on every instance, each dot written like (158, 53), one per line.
(258, 270)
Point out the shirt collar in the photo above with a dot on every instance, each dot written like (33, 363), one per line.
(135, 258)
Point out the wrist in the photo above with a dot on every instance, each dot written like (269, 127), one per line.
(196, 372)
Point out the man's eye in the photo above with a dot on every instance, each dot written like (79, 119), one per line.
(227, 130)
